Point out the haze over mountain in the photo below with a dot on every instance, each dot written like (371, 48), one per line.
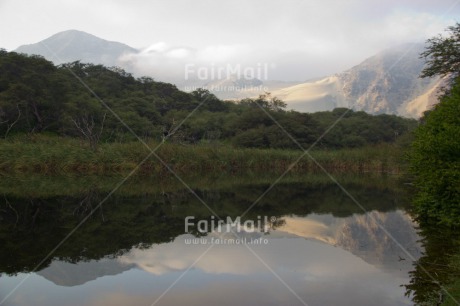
(73, 45)
(240, 87)
(384, 83)
(387, 82)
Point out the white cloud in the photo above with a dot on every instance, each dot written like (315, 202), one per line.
(304, 39)
(403, 27)
(238, 260)
(219, 53)
(156, 47)
(179, 53)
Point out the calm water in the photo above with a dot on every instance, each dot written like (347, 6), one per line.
(319, 247)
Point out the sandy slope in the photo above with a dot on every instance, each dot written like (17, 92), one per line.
(327, 94)
(415, 107)
(324, 94)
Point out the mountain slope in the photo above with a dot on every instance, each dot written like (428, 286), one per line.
(324, 94)
(73, 45)
(361, 235)
(68, 274)
(385, 83)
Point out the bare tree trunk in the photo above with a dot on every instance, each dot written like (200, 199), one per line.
(9, 126)
(87, 128)
(39, 126)
(171, 132)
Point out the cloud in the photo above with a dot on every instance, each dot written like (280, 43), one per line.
(303, 39)
(155, 48)
(184, 64)
(299, 41)
(318, 272)
(237, 260)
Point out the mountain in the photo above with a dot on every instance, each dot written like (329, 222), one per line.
(73, 45)
(70, 274)
(362, 236)
(238, 87)
(385, 83)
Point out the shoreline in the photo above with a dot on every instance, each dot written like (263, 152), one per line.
(59, 155)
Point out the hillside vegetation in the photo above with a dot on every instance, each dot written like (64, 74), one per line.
(77, 100)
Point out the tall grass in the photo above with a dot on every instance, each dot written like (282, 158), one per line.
(37, 185)
(57, 155)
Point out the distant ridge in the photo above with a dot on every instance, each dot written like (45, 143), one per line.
(73, 45)
(387, 83)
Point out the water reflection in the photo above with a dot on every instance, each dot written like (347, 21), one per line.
(319, 273)
(435, 273)
(133, 248)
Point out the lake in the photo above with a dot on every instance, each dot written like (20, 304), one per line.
(304, 242)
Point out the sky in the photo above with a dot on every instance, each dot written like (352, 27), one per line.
(297, 39)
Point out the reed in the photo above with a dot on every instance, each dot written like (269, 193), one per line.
(58, 155)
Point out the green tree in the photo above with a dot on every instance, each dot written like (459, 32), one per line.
(265, 101)
(435, 154)
(435, 160)
(31, 86)
(209, 101)
(443, 54)
(72, 100)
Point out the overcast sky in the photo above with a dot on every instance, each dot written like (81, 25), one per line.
(300, 39)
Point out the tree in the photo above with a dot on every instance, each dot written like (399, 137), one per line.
(435, 160)
(73, 100)
(10, 123)
(435, 152)
(31, 85)
(265, 101)
(209, 101)
(90, 130)
(442, 55)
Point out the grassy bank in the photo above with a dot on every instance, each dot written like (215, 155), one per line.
(453, 287)
(56, 155)
(43, 186)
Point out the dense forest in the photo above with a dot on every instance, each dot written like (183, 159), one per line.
(435, 163)
(435, 154)
(84, 100)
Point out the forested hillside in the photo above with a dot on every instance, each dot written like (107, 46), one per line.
(68, 100)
